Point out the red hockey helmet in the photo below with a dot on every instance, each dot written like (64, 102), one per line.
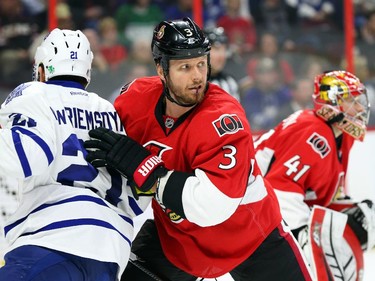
(341, 99)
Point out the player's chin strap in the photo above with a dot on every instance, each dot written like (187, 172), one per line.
(170, 98)
(167, 94)
(339, 117)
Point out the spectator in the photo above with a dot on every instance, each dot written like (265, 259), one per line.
(17, 31)
(99, 63)
(362, 8)
(269, 48)
(266, 96)
(64, 21)
(37, 9)
(301, 90)
(240, 29)
(87, 13)
(309, 66)
(130, 72)
(272, 16)
(314, 14)
(113, 51)
(218, 58)
(136, 19)
(138, 54)
(367, 31)
(213, 9)
(180, 9)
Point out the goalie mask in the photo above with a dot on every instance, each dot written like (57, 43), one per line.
(64, 52)
(341, 99)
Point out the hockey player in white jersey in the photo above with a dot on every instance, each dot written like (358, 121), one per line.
(74, 221)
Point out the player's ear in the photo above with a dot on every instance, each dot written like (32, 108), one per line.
(41, 74)
(160, 72)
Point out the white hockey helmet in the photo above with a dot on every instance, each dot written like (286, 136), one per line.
(64, 52)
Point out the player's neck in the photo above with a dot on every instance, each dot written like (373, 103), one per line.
(174, 110)
(336, 131)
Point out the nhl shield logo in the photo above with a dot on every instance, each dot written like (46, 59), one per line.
(227, 124)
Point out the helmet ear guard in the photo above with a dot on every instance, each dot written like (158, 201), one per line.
(64, 52)
(333, 89)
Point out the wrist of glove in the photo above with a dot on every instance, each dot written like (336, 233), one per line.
(129, 158)
(358, 221)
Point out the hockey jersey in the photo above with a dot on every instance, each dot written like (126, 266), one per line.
(228, 209)
(66, 204)
(303, 161)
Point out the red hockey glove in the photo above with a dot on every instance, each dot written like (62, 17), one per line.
(125, 155)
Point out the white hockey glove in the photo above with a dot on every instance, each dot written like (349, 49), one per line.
(361, 218)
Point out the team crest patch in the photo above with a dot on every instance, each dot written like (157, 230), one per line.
(160, 33)
(227, 124)
(319, 144)
(157, 148)
(16, 92)
(50, 69)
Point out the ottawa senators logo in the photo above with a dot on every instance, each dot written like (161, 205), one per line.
(160, 33)
(227, 124)
(319, 144)
(156, 148)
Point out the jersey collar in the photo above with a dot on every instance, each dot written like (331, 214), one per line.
(64, 83)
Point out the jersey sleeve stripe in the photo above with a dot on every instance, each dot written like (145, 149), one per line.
(43, 145)
(21, 154)
(77, 222)
(134, 206)
(172, 196)
(82, 198)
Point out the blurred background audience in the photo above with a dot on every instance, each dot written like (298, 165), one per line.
(271, 51)
(218, 58)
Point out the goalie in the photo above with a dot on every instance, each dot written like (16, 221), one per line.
(305, 158)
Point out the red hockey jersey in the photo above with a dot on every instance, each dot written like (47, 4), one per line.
(301, 159)
(229, 209)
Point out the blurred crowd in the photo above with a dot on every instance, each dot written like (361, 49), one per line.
(273, 48)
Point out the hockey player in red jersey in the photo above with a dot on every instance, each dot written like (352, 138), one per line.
(213, 212)
(305, 159)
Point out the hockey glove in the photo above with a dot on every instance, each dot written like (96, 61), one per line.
(125, 155)
(361, 218)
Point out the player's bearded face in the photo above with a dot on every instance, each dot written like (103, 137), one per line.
(187, 79)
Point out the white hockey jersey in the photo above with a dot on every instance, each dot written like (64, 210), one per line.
(66, 204)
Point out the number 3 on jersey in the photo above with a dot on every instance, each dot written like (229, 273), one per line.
(230, 152)
(294, 168)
